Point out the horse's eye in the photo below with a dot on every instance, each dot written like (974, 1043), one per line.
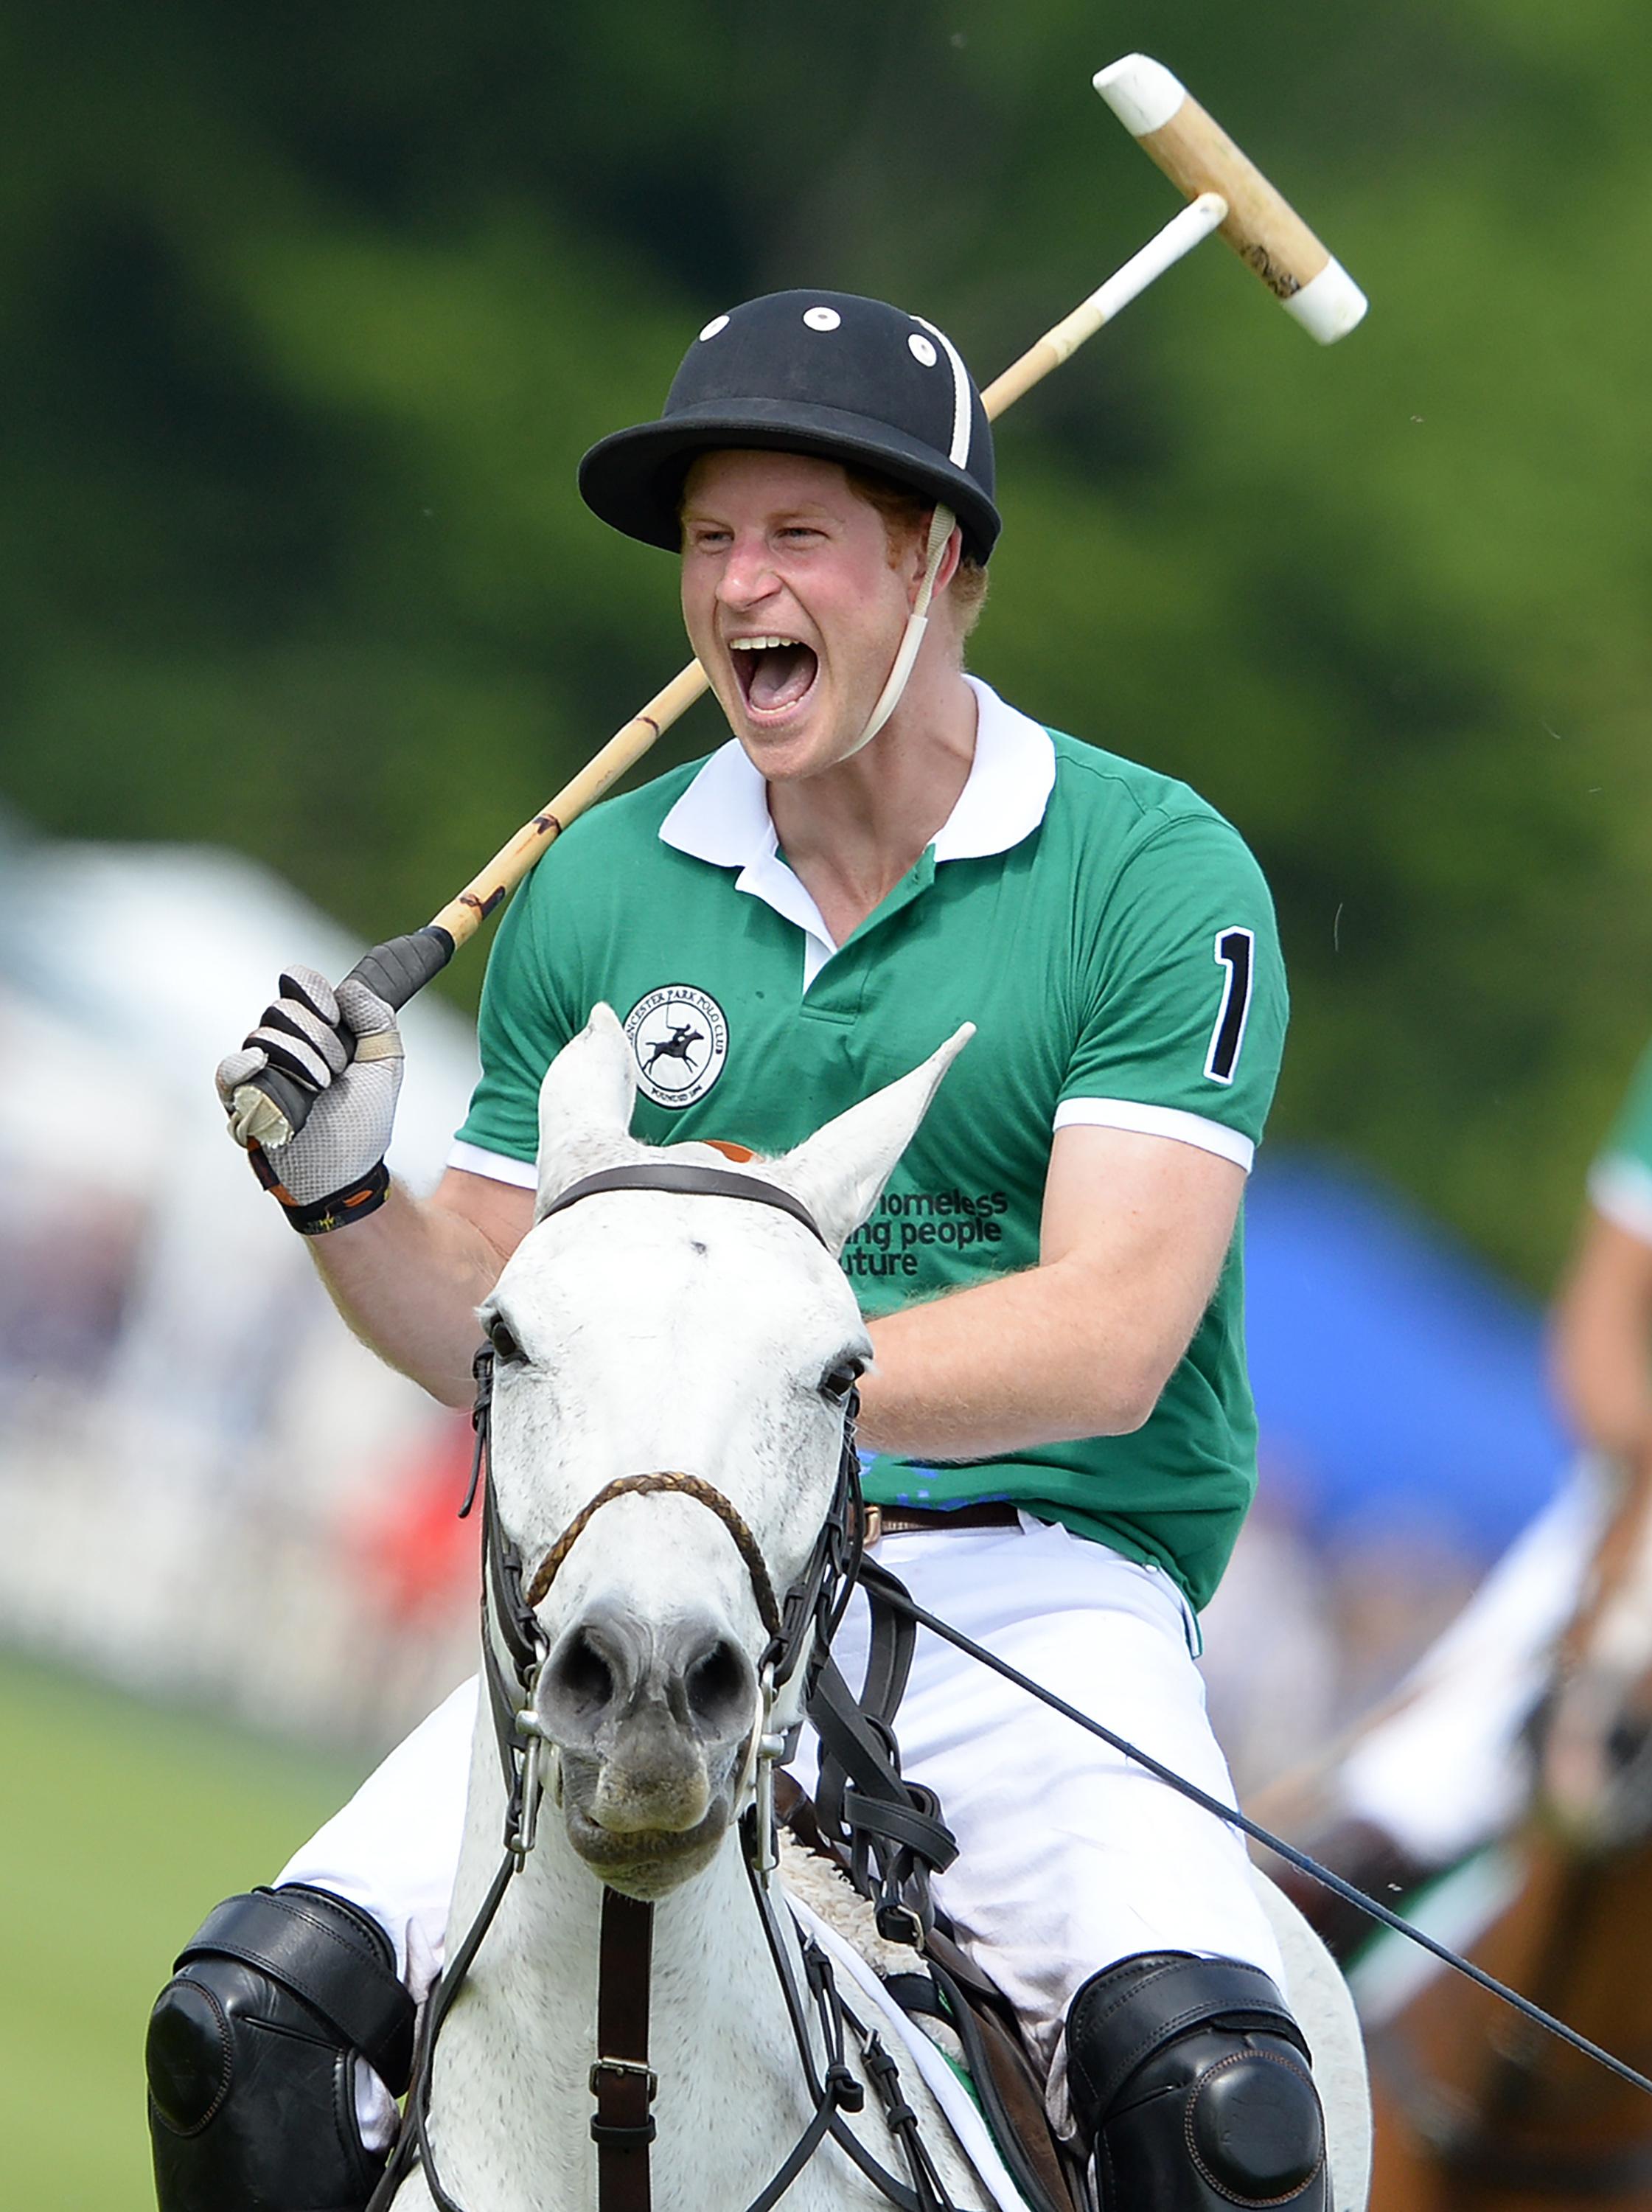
(837, 1382)
(505, 1345)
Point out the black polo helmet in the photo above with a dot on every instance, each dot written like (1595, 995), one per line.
(825, 372)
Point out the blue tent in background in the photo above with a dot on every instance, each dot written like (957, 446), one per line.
(1399, 1385)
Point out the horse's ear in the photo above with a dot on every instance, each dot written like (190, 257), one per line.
(584, 1107)
(840, 1172)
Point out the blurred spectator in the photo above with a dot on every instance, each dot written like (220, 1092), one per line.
(182, 1425)
(1270, 1660)
(417, 1567)
(1449, 1767)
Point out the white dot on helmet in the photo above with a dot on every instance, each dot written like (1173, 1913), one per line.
(717, 323)
(921, 350)
(822, 319)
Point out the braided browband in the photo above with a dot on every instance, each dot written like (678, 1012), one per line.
(683, 1486)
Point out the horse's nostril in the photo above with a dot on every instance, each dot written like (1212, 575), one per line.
(581, 1678)
(719, 1688)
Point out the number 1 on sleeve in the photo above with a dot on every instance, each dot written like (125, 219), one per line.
(1235, 951)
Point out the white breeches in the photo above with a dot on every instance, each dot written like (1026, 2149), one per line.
(1070, 1858)
(1447, 1772)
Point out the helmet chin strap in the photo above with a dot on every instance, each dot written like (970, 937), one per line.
(941, 526)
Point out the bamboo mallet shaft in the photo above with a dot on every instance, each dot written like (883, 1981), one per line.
(465, 915)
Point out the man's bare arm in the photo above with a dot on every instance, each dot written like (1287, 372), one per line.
(1135, 1230)
(1603, 1339)
(409, 1279)
(1601, 1349)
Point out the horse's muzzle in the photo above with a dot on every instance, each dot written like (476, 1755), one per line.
(652, 1721)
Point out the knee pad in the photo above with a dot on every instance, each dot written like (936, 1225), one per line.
(252, 2056)
(1191, 2085)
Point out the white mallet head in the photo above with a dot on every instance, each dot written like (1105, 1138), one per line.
(1262, 227)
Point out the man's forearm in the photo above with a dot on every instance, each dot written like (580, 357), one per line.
(1601, 1341)
(1602, 1374)
(408, 1280)
(1607, 1396)
(1033, 1358)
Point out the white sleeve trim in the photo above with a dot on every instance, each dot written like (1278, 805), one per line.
(1170, 1122)
(499, 1167)
(1620, 1187)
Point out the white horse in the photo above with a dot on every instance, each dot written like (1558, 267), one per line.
(641, 1330)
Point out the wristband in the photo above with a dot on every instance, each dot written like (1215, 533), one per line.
(321, 1216)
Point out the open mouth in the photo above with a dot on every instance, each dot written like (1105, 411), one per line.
(651, 1861)
(775, 674)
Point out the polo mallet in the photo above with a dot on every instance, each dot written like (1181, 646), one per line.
(1226, 192)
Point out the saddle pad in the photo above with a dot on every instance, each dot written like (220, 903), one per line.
(962, 2114)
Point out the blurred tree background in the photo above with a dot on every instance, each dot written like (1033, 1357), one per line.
(305, 316)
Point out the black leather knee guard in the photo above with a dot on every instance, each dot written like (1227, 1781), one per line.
(252, 2056)
(1190, 2081)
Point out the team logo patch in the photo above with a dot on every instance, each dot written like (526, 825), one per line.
(679, 1040)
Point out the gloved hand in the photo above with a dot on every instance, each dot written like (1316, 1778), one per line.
(344, 1047)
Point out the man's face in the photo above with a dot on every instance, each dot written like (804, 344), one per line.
(791, 604)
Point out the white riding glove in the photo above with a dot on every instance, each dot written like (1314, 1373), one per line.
(345, 1048)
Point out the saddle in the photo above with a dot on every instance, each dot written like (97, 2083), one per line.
(886, 1835)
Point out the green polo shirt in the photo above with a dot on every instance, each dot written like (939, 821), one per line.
(1110, 936)
(1620, 1181)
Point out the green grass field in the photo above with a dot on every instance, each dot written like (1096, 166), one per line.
(121, 1825)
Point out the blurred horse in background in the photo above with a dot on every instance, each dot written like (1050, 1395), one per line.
(1478, 2110)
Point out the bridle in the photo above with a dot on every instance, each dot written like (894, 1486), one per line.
(682, 1485)
(901, 1820)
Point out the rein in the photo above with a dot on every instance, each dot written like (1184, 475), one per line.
(622, 2081)
(896, 1593)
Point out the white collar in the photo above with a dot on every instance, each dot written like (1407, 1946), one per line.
(723, 816)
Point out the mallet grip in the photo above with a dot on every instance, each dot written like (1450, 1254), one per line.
(1262, 227)
(272, 1109)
